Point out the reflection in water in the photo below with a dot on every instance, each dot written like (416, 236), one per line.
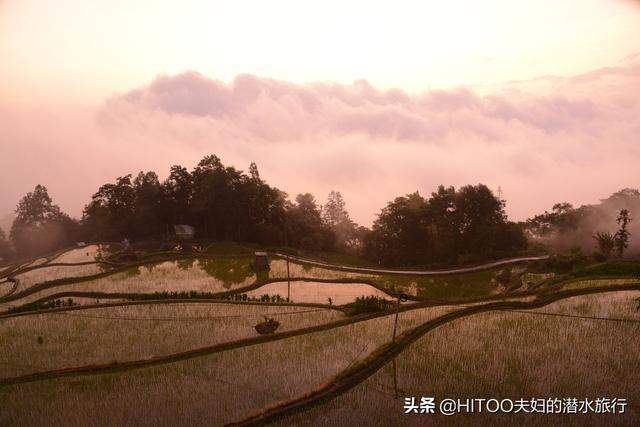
(229, 271)
(340, 293)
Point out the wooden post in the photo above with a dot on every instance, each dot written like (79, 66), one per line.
(395, 379)
(401, 297)
(288, 281)
(395, 323)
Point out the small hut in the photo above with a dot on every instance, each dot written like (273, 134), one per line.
(260, 262)
(184, 231)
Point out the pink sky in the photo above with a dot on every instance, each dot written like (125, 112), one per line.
(547, 113)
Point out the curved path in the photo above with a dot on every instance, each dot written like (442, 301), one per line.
(458, 270)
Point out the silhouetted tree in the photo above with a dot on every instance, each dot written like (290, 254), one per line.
(452, 226)
(621, 238)
(400, 235)
(336, 217)
(6, 251)
(304, 226)
(562, 219)
(253, 172)
(40, 226)
(177, 192)
(111, 213)
(227, 204)
(147, 216)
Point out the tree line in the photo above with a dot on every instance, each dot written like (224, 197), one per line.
(450, 226)
(604, 227)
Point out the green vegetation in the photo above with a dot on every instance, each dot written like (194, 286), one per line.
(289, 367)
(228, 206)
(370, 304)
(566, 228)
(227, 247)
(452, 226)
(42, 305)
(480, 283)
(606, 269)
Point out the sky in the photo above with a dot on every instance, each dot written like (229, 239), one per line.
(374, 99)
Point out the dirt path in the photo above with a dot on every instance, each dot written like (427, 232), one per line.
(458, 270)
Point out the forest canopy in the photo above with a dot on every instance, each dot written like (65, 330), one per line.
(222, 203)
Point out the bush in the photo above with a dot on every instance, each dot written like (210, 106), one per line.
(370, 304)
(34, 306)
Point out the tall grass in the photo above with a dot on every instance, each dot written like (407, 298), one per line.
(210, 390)
(98, 336)
(507, 355)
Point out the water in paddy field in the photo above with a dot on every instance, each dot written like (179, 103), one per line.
(314, 292)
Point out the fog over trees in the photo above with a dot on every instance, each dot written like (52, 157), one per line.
(450, 226)
(590, 227)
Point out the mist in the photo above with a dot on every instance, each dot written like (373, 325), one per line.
(600, 217)
(540, 142)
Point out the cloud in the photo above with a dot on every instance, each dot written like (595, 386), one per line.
(275, 111)
(542, 141)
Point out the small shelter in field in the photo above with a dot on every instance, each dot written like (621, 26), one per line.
(184, 231)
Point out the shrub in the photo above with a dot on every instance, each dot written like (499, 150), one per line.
(370, 304)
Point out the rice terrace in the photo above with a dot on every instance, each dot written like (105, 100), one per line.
(332, 214)
(165, 335)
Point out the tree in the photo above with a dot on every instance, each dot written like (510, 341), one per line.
(111, 212)
(304, 226)
(481, 220)
(451, 227)
(40, 226)
(263, 209)
(6, 252)
(606, 243)
(253, 171)
(400, 235)
(177, 196)
(622, 235)
(147, 216)
(563, 218)
(36, 207)
(336, 217)
(217, 206)
(566, 227)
